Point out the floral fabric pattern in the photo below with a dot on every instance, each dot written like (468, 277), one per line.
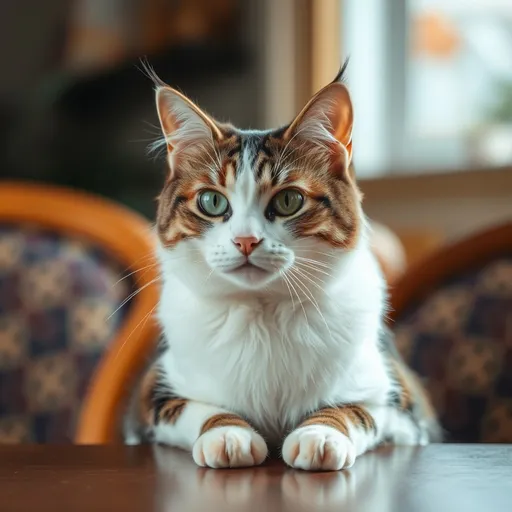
(58, 301)
(460, 341)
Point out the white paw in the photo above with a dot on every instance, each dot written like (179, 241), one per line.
(229, 447)
(318, 448)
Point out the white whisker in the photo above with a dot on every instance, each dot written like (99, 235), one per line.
(142, 259)
(312, 267)
(312, 251)
(315, 262)
(209, 275)
(300, 302)
(131, 296)
(309, 295)
(134, 272)
(285, 279)
(144, 319)
(307, 273)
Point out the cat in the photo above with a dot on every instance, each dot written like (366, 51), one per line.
(272, 302)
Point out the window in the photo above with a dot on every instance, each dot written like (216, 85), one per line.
(432, 84)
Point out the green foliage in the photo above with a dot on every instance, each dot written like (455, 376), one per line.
(501, 111)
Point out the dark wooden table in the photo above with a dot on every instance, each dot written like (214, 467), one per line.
(438, 478)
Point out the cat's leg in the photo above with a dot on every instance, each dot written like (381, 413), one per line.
(216, 437)
(332, 438)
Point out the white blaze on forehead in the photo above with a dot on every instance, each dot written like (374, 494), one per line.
(247, 219)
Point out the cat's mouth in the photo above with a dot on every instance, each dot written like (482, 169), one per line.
(252, 275)
(249, 273)
(247, 267)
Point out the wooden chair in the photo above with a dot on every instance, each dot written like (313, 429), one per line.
(452, 314)
(46, 232)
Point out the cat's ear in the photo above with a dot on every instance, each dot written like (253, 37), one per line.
(327, 119)
(184, 125)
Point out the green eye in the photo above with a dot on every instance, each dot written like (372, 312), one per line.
(287, 202)
(213, 203)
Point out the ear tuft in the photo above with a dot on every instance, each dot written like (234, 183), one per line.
(340, 77)
(182, 122)
(147, 69)
(327, 119)
(186, 128)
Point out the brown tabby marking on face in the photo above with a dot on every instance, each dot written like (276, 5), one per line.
(341, 418)
(266, 179)
(211, 167)
(331, 209)
(223, 420)
(226, 176)
(178, 217)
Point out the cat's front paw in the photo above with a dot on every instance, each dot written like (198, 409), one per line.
(229, 447)
(318, 448)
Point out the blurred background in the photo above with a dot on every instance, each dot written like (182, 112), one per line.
(431, 82)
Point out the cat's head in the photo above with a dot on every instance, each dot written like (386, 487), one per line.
(253, 209)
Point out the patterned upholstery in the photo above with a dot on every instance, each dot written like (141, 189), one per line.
(56, 294)
(460, 341)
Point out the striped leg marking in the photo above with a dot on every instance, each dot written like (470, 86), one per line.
(326, 441)
(228, 441)
(216, 437)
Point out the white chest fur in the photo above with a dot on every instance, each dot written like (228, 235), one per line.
(268, 361)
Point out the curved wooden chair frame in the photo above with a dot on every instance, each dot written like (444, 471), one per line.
(128, 238)
(463, 256)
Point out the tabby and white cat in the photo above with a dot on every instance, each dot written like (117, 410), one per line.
(272, 303)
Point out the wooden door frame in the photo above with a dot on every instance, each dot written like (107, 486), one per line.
(303, 52)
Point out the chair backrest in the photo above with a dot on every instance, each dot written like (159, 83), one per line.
(65, 311)
(452, 314)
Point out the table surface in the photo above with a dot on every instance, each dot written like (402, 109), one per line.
(437, 478)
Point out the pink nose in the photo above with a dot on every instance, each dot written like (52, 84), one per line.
(246, 244)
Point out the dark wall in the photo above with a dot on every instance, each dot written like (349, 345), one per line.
(92, 132)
